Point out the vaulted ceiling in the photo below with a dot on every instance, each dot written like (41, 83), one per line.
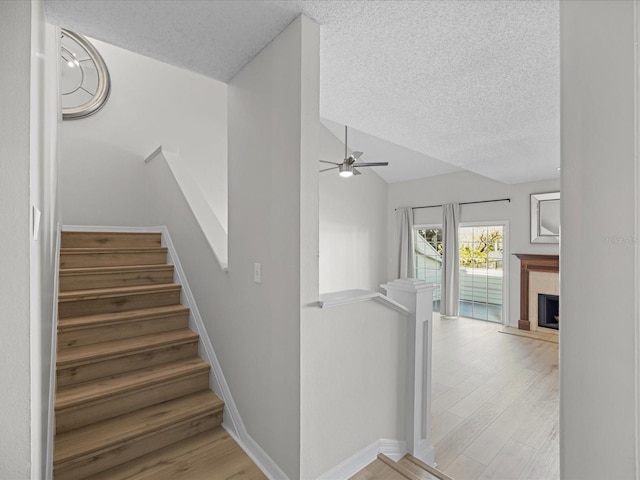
(430, 86)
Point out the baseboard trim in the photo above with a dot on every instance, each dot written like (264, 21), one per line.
(232, 421)
(52, 364)
(217, 381)
(394, 449)
(427, 454)
(258, 455)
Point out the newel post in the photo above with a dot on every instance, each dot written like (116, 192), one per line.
(417, 297)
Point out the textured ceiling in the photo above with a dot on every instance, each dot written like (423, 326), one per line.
(473, 84)
(404, 164)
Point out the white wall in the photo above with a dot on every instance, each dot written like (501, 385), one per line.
(599, 201)
(45, 122)
(353, 382)
(353, 224)
(273, 115)
(470, 187)
(151, 103)
(15, 452)
(27, 177)
(352, 357)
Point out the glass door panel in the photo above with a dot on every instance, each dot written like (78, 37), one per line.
(481, 271)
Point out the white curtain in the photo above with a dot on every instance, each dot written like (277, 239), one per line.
(406, 263)
(449, 291)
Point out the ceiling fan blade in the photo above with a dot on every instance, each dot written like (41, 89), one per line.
(327, 169)
(332, 163)
(373, 164)
(357, 172)
(357, 155)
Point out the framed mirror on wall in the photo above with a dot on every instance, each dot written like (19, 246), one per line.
(545, 217)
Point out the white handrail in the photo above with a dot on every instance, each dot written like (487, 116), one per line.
(211, 227)
(345, 297)
(154, 154)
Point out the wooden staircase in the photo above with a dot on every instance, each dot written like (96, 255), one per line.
(408, 467)
(132, 395)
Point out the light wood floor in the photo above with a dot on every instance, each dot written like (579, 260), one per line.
(495, 403)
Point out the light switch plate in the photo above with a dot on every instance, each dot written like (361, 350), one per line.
(36, 222)
(257, 272)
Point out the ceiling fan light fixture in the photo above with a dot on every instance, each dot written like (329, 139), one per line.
(346, 167)
(345, 170)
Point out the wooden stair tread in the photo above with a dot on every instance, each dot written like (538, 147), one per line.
(420, 473)
(398, 468)
(85, 441)
(408, 468)
(101, 388)
(378, 470)
(85, 250)
(422, 470)
(114, 269)
(112, 256)
(94, 275)
(116, 348)
(96, 293)
(133, 397)
(213, 455)
(89, 321)
(79, 239)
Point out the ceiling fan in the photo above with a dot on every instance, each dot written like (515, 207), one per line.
(347, 167)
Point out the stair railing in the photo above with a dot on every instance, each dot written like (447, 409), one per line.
(211, 227)
(417, 297)
(413, 298)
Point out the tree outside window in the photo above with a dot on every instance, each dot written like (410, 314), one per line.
(481, 247)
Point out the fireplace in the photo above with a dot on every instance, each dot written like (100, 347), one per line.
(539, 274)
(548, 311)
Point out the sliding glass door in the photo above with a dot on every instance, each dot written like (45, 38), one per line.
(481, 271)
(482, 274)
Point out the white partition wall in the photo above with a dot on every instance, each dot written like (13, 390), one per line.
(15, 449)
(273, 115)
(353, 386)
(28, 134)
(599, 202)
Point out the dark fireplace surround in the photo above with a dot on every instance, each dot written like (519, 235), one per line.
(532, 263)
